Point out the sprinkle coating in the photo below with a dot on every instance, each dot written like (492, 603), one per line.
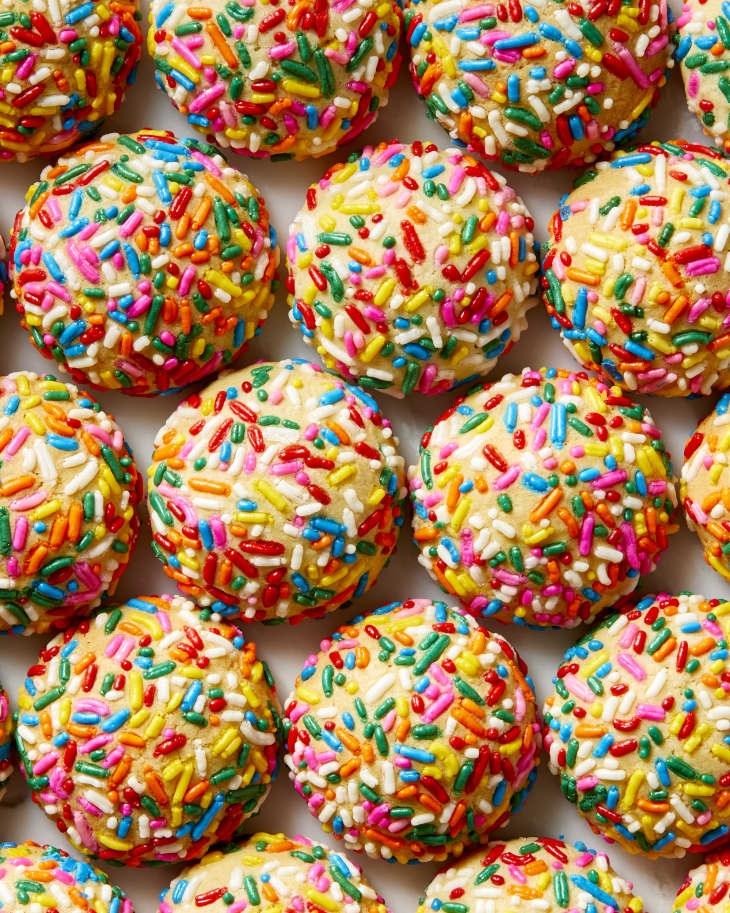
(69, 495)
(276, 493)
(540, 85)
(273, 872)
(411, 268)
(542, 497)
(66, 66)
(703, 53)
(283, 81)
(6, 741)
(35, 877)
(413, 733)
(636, 278)
(705, 486)
(637, 728)
(149, 732)
(143, 263)
(706, 886)
(531, 873)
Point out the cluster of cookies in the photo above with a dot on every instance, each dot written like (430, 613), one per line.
(149, 732)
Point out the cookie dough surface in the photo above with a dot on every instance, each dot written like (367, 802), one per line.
(279, 81)
(427, 725)
(276, 493)
(66, 67)
(411, 268)
(636, 277)
(149, 732)
(540, 499)
(69, 496)
(539, 86)
(276, 872)
(636, 728)
(143, 263)
(532, 873)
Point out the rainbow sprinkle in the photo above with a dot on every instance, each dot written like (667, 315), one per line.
(6, 742)
(272, 872)
(34, 878)
(706, 886)
(276, 493)
(65, 67)
(636, 276)
(69, 495)
(705, 486)
(413, 733)
(541, 498)
(143, 263)
(538, 873)
(281, 81)
(544, 85)
(149, 732)
(637, 729)
(411, 268)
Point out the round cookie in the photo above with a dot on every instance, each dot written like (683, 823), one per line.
(69, 496)
(703, 54)
(276, 493)
(532, 873)
(705, 486)
(149, 732)
(35, 877)
(143, 263)
(280, 81)
(411, 268)
(284, 873)
(636, 277)
(706, 886)
(413, 733)
(67, 66)
(637, 728)
(6, 741)
(541, 86)
(541, 498)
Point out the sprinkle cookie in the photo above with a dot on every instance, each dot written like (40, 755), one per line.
(636, 278)
(703, 53)
(413, 733)
(411, 268)
(149, 732)
(531, 874)
(542, 498)
(69, 495)
(637, 728)
(544, 85)
(273, 872)
(143, 263)
(706, 886)
(35, 878)
(66, 66)
(705, 486)
(276, 493)
(6, 741)
(280, 81)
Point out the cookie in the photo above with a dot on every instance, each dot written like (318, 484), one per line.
(637, 727)
(636, 276)
(69, 496)
(276, 493)
(706, 886)
(6, 741)
(149, 732)
(540, 86)
(539, 873)
(265, 80)
(411, 268)
(67, 66)
(143, 263)
(282, 873)
(542, 498)
(413, 733)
